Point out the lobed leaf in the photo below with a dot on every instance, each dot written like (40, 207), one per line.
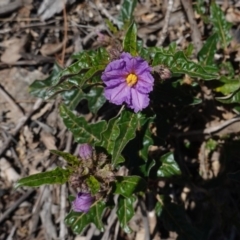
(88, 64)
(119, 132)
(78, 221)
(39, 88)
(178, 63)
(83, 132)
(125, 212)
(169, 166)
(72, 160)
(127, 186)
(56, 176)
(94, 96)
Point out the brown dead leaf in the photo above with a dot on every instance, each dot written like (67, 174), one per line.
(48, 140)
(14, 47)
(50, 48)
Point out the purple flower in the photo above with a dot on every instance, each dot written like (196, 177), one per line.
(128, 80)
(85, 151)
(82, 203)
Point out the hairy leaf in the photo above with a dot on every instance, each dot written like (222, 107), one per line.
(56, 176)
(126, 186)
(78, 221)
(178, 63)
(119, 132)
(83, 132)
(220, 26)
(206, 54)
(228, 86)
(73, 160)
(169, 166)
(130, 40)
(125, 212)
(126, 12)
(94, 96)
(40, 88)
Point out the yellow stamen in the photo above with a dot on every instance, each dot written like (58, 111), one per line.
(131, 79)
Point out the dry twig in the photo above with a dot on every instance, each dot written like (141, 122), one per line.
(166, 22)
(195, 33)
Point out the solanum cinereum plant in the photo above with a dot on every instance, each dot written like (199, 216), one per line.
(121, 84)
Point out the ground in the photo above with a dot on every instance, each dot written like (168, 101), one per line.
(35, 34)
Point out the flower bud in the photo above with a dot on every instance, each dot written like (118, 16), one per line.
(163, 71)
(85, 151)
(82, 203)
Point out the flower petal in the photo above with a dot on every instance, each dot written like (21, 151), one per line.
(119, 94)
(139, 100)
(145, 83)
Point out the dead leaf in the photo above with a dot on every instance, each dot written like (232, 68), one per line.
(13, 49)
(50, 48)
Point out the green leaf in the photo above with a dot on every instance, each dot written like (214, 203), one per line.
(81, 80)
(125, 212)
(126, 12)
(88, 64)
(56, 176)
(178, 63)
(206, 54)
(189, 50)
(175, 219)
(83, 131)
(115, 137)
(78, 221)
(127, 186)
(39, 88)
(220, 25)
(201, 9)
(231, 98)
(93, 184)
(72, 160)
(211, 144)
(228, 86)
(94, 96)
(130, 40)
(169, 166)
(147, 139)
(158, 209)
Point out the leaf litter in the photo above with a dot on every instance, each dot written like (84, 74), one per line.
(33, 36)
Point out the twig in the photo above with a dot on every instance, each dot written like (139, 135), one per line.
(10, 7)
(36, 209)
(65, 35)
(211, 130)
(63, 230)
(9, 99)
(195, 33)
(145, 220)
(21, 123)
(107, 14)
(16, 204)
(10, 236)
(166, 22)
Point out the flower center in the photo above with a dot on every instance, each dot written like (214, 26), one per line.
(131, 79)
